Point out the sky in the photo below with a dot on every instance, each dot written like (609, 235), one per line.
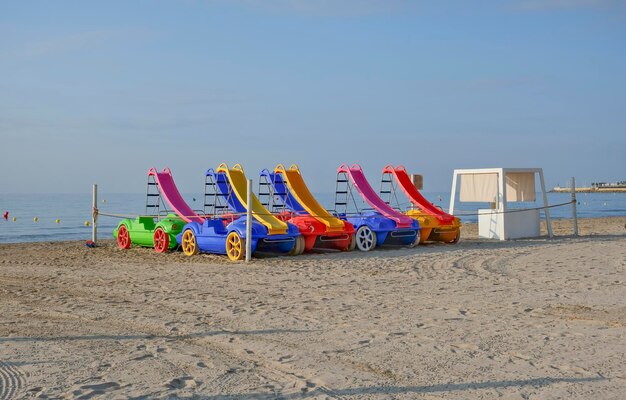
(99, 92)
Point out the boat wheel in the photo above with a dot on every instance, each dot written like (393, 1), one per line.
(298, 246)
(161, 240)
(235, 246)
(352, 243)
(123, 237)
(457, 237)
(190, 246)
(417, 239)
(365, 238)
(294, 249)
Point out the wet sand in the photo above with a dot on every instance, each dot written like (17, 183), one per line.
(536, 318)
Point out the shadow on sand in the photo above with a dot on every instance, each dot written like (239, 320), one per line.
(396, 390)
(148, 336)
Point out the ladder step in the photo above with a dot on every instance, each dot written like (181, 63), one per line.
(220, 206)
(152, 205)
(209, 184)
(385, 191)
(152, 183)
(342, 180)
(153, 195)
(341, 204)
(265, 183)
(341, 192)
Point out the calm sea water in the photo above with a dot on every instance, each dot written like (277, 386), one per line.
(74, 209)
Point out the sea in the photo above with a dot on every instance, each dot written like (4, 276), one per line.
(62, 217)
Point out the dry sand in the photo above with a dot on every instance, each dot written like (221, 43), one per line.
(525, 319)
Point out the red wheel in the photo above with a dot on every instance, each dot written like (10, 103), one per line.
(161, 240)
(123, 237)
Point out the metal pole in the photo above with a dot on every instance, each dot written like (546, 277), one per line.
(249, 222)
(453, 193)
(574, 214)
(545, 204)
(94, 215)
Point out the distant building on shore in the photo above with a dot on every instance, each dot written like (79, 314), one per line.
(612, 185)
(596, 187)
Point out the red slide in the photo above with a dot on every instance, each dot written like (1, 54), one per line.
(414, 195)
(170, 193)
(369, 195)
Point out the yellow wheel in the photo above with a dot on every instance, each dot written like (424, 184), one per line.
(235, 246)
(190, 246)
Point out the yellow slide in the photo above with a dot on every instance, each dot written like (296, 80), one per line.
(301, 193)
(239, 185)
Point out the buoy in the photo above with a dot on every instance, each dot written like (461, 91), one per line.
(36, 219)
(194, 199)
(90, 244)
(58, 221)
(14, 219)
(6, 215)
(87, 223)
(104, 200)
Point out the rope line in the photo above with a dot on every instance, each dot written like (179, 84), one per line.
(514, 210)
(232, 215)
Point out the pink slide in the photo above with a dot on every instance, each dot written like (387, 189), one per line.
(409, 189)
(369, 195)
(170, 193)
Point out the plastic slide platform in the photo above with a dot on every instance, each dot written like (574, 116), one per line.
(413, 194)
(172, 196)
(303, 197)
(238, 183)
(355, 172)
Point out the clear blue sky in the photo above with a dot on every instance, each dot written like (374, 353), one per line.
(101, 91)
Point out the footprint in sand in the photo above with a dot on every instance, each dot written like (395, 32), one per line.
(569, 368)
(285, 358)
(143, 357)
(182, 383)
(100, 389)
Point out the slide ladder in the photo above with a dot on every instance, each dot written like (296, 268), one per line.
(274, 195)
(237, 185)
(214, 200)
(169, 192)
(153, 198)
(360, 183)
(388, 191)
(402, 179)
(297, 192)
(343, 193)
(266, 192)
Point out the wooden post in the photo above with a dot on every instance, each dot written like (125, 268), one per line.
(574, 213)
(249, 222)
(94, 215)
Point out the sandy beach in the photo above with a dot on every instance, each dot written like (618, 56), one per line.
(526, 319)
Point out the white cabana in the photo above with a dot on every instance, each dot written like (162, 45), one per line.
(500, 186)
